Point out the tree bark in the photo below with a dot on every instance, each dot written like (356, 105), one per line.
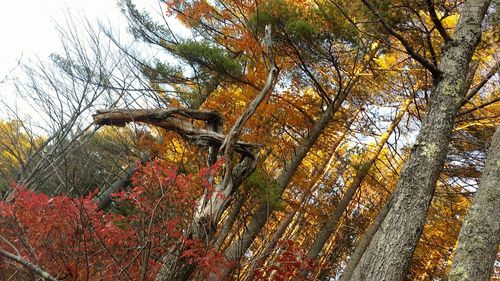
(480, 234)
(104, 198)
(231, 219)
(213, 204)
(365, 241)
(388, 255)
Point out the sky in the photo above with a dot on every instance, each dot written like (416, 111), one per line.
(28, 33)
(27, 28)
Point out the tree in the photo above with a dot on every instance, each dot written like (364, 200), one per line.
(479, 237)
(388, 255)
(213, 165)
(352, 188)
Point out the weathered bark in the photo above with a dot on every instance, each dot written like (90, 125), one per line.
(203, 228)
(171, 119)
(213, 204)
(350, 191)
(104, 198)
(480, 234)
(231, 219)
(388, 255)
(213, 207)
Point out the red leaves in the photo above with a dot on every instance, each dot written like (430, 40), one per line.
(71, 237)
(287, 264)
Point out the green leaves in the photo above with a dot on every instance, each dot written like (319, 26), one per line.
(209, 57)
(264, 187)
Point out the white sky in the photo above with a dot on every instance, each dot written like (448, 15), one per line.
(28, 32)
(27, 27)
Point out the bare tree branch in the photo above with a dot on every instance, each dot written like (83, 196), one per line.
(474, 90)
(168, 119)
(28, 264)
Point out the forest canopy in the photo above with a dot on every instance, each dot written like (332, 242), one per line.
(262, 140)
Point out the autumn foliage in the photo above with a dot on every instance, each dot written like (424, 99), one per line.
(74, 240)
(305, 187)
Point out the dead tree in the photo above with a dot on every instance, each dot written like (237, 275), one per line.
(212, 204)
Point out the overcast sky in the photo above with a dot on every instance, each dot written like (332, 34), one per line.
(27, 28)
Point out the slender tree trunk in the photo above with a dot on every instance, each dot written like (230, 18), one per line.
(235, 251)
(480, 234)
(261, 215)
(270, 245)
(388, 255)
(365, 241)
(332, 222)
(104, 198)
(320, 173)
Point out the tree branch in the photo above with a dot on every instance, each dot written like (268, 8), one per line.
(169, 119)
(28, 264)
(474, 90)
(437, 23)
(234, 133)
(423, 61)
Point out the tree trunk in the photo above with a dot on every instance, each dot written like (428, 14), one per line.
(350, 191)
(314, 184)
(480, 234)
(365, 241)
(212, 205)
(231, 219)
(261, 215)
(235, 251)
(388, 255)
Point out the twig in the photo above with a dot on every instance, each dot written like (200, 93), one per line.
(423, 61)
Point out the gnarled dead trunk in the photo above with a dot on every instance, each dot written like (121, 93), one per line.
(212, 205)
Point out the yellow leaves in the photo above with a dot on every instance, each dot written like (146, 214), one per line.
(450, 21)
(444, 218)
(387, 61)
(193, 13)
(15, 147)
